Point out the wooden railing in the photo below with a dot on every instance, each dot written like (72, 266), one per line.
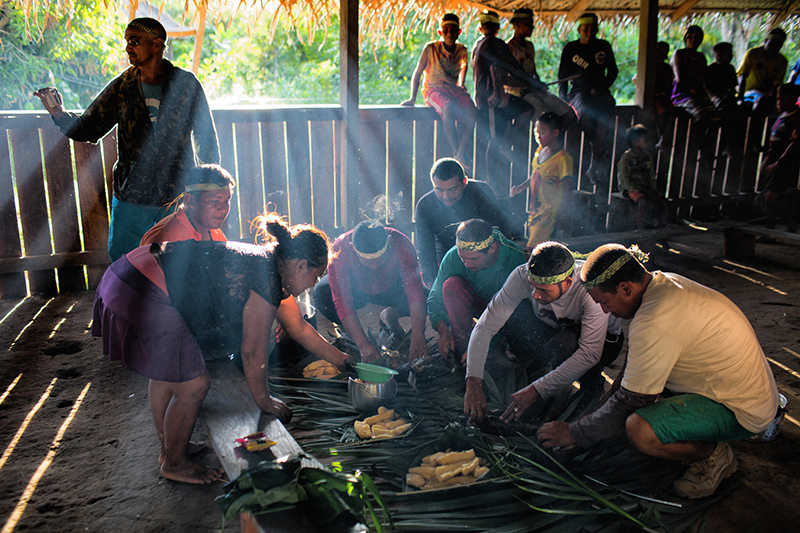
(54, 215)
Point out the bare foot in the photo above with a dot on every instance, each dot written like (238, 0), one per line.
(192, 450)
(190, 472)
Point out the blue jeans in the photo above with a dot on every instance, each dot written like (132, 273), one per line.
(129, 222)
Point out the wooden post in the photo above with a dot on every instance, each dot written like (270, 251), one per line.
(348, 97)
(198, 38)
(646, 68)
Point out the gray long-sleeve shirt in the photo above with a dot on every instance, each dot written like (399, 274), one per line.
(575, 307)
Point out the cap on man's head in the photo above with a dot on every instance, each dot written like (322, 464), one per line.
(149, 25)
(490, 17)
(587, 18)
(450, 19)
(522, 15)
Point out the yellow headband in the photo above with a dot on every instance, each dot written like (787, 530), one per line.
(631, 253)
(551, 280)
(206, 187)
(373, 255)
(489, 17)
(475, 246)
(587, 20)
(448, 23)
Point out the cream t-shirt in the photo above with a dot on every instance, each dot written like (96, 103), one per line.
(691, 339)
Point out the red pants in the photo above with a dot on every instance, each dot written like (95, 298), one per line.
(463, 304)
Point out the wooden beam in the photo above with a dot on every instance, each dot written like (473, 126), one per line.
(198, 38)
(683, 9)
(575, 13)
(35, 263)
(646, 67)
(350, 141)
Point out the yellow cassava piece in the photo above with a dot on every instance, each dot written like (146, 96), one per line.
(456, 457)
(399, 430)
(362, 429)
(317, 364)
(480, 471)
(425, 471)
(443, 473)
(470, 467)
(457, 480)
(415, 480)
(379, 432)
(393, 423)
(433, 459)
(380, 417)
(382, 409)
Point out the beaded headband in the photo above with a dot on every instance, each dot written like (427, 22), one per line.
(587, 20)
(373, 255)
(206, 187)
(551, 280)
(144, 28)
(475, 246)
(631, 253)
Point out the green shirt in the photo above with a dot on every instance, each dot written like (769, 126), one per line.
(485, 282)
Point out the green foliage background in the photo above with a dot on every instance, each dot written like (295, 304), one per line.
(248, 68)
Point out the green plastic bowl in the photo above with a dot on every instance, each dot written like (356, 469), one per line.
(374, 373)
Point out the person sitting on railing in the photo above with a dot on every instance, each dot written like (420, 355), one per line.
(762, 70)
(203, 209)
(636, 176)
(163, 125)
(471, 273)
(550, 180)
(552, 327)
(782, 161)
(721, 84)
(689, 92)
(591, 69)
(162, 310)
(691, 349)
(377, 265)
(444, 64)
(438, 213)
(662, 97)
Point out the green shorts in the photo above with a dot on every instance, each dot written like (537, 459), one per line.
(692, 417)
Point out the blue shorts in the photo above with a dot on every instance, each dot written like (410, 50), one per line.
(691, 417)
(129, 222)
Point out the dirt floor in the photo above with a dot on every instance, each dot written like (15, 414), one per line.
(91, 466)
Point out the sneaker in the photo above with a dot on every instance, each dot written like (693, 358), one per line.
(703, 477)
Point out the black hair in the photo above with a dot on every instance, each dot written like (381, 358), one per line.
(369, 236)
(548, 118)
(210, 174)
(662, 44)
(550, 258)
(790, 89)
(301, 241)
(451, 17)
(446, 169)
(523, 14)
(474, 230)
(777, 33)
(635, 132)
(694, 28)
(722, 47)
(602, 258)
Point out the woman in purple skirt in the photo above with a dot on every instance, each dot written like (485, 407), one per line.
(162, 309)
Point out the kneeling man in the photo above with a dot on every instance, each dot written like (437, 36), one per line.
(692, 341)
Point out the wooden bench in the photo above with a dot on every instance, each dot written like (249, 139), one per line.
(740, 241)
(587, 243)
(228, 413)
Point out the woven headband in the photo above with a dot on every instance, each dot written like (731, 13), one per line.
(142, 27)
(631, 253)
(373, 255)
(551, 280)
(587, 20)
(489, 17)
(449, 23)
(476, 246)
(206, 187)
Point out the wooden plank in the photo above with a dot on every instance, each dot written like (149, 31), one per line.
(373, 167)
(33, 214)
(323, 174)
(64, 260)
(299, 113)
(401, 171)
(248, 174)
(423, 157)
(94, 210)
(299, 166)
(11, 285)
(273, 150)
(63, 205)
(227, 161)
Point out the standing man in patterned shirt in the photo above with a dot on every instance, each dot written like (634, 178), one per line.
(163, 125)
